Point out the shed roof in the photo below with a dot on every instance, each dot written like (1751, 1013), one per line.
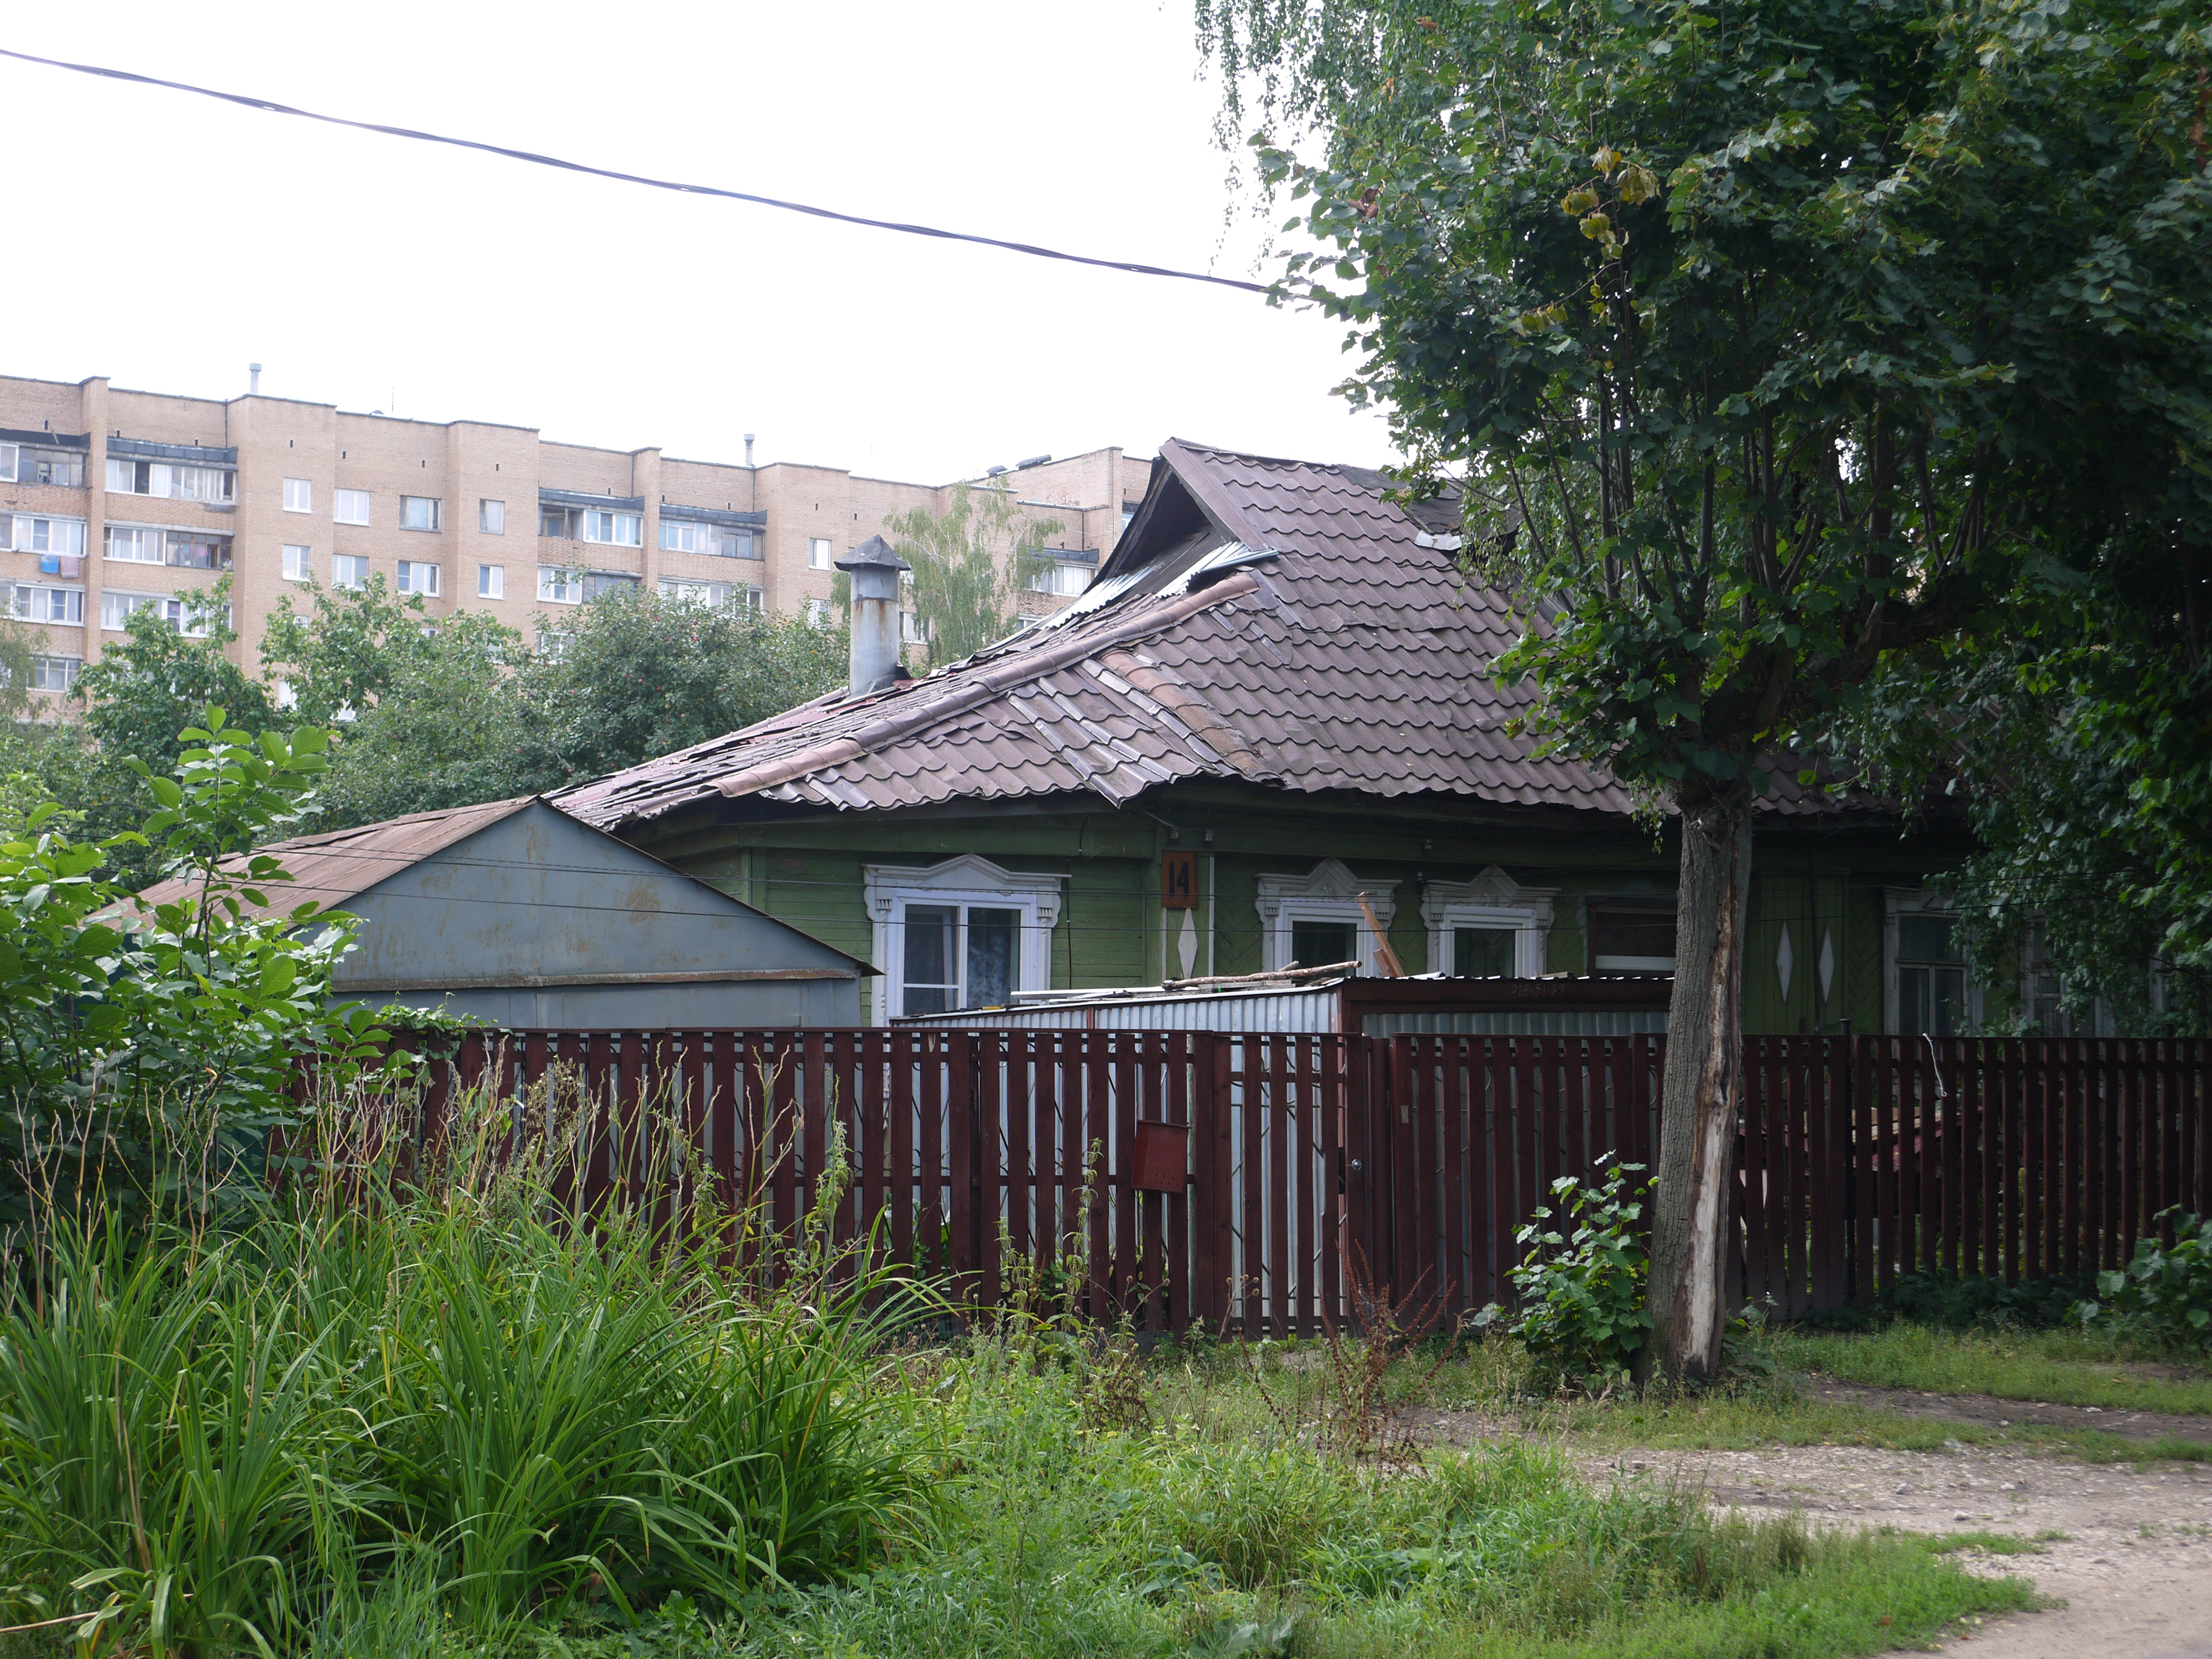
(340, 866)
(1277, 622)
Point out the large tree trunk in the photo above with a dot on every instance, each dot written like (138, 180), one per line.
(1700, 1093)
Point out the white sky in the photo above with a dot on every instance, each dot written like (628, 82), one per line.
(180, 238)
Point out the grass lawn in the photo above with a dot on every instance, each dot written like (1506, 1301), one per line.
(2062, 1367)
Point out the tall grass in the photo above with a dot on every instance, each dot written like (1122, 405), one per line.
(213, 1440)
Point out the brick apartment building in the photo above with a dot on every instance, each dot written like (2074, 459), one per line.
(113, 499)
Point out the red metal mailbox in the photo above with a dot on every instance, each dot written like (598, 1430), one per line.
(1163, 1157)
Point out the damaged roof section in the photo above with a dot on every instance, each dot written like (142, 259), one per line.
(1271, 622)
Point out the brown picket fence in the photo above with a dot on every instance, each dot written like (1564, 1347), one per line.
(1242, 1182)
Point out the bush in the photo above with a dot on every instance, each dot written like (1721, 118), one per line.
(2166, 1293)
(219, 1441)
(1581, 1292)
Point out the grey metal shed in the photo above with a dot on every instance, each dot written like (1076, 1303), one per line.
(519, 914)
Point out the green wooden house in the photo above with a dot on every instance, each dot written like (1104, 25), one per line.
(1263, 734)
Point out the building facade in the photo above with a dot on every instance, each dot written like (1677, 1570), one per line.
(1268, 737)
(113, 500)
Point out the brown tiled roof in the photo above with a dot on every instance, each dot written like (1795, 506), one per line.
(333, 867)
(1292, 632)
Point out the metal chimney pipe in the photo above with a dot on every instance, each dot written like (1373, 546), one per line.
(252, 379)
(749, 449)
(875, 570)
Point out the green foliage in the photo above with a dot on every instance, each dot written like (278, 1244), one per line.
(217, 1442)
(969, 561)
(128, 1031)
(643, 676)
(1582, 1292)
(2164, 1290)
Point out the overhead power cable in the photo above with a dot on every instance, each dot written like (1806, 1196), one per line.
(270, 106)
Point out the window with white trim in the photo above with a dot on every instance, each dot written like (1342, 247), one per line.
(32, 532)
(54, 673)
(491, 582)
(349, 506)
(179, 482)
(550, 644)
(416, 577)
(349, 570)
(46, 605)
(1315, 920)
(557, 584)
(299, 563)
(1059, 577)
(613, 529)
(22, 464)
(194, 618)
(965, 934)
(491, 517)
(418, 512)
(299, 494)
(1491, 928)
(817, 552)
(818, 612)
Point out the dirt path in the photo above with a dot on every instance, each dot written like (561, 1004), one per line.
(1988, 1411)
(2135, 1566)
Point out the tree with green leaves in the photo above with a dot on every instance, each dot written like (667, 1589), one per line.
(970, 562)
(1766, 343)
(146, 1050)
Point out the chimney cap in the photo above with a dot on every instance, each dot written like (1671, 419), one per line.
(873, 554)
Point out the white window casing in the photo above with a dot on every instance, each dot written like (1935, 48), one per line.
(419, 513)
(491, 582)
(1492, 900)
(558, 584)
(817, 553)
(299, 494)
(349, 570)
(299, 563)
(416, 577)
(968, 882)
(491, 517)
(1327, 894)
(349, 506)
(38, 533)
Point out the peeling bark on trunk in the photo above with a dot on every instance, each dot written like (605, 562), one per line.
(1701, 1095)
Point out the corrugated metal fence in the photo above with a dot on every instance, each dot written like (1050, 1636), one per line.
(1230, 1180)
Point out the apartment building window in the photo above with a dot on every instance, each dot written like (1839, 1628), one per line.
(491, 582)
(349, 570)
(491, 517)
(614, 529)
(47, 605)
(188, 483)
(817, 552)
(349, 506)
(299, 563)
(712, 540)
(22, 464)
(29, 532)
(418, 512)
(194, 618)
(299, 496)
(187, 549)
(714, 595)
(54, 673)
(912, 629)
(557, 584)
(1059, 577)
(416, 577)
(552, 645)
(818, 612)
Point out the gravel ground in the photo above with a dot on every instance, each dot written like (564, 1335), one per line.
(2135, 1566)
